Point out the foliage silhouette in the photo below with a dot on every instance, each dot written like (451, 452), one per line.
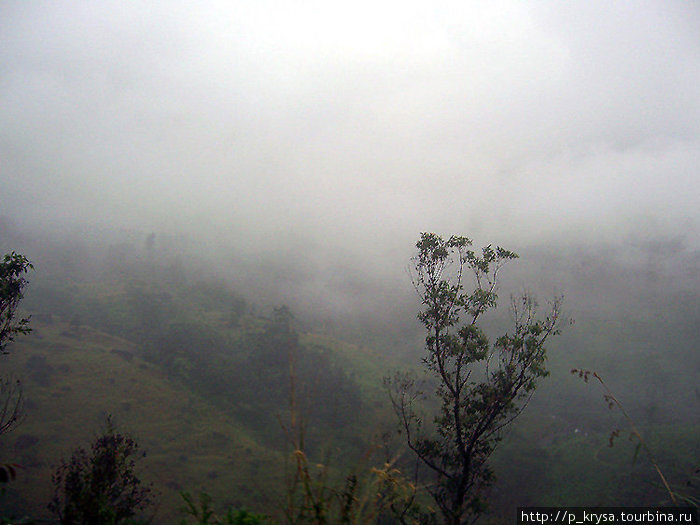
(13, 267)
(101, 488)
(12, 284)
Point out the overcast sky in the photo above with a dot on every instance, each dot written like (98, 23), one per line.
(362, 122)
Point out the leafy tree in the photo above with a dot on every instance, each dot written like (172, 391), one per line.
(101, 488)
(12, 283)
(480, 387)
(13, 267)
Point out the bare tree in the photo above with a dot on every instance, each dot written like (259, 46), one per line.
(480, 387)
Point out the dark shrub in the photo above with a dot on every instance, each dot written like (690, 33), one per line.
(101, 488)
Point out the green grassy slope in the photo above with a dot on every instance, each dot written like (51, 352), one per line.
(72, 378)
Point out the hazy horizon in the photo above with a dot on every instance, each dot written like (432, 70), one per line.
(352, 126)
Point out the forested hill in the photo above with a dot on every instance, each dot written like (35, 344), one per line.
(207, 380)
(201, 378)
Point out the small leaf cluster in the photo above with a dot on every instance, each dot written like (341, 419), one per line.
(13, 267)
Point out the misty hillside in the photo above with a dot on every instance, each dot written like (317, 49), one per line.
(201, 373)
(245, 227)
(188, 368)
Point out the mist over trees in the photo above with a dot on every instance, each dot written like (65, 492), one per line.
(220, 344)
(221, 204)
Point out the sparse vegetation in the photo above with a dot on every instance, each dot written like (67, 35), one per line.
(200, 512)
(675, 496)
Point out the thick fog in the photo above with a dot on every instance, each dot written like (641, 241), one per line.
(322, 137)
(178, 171)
